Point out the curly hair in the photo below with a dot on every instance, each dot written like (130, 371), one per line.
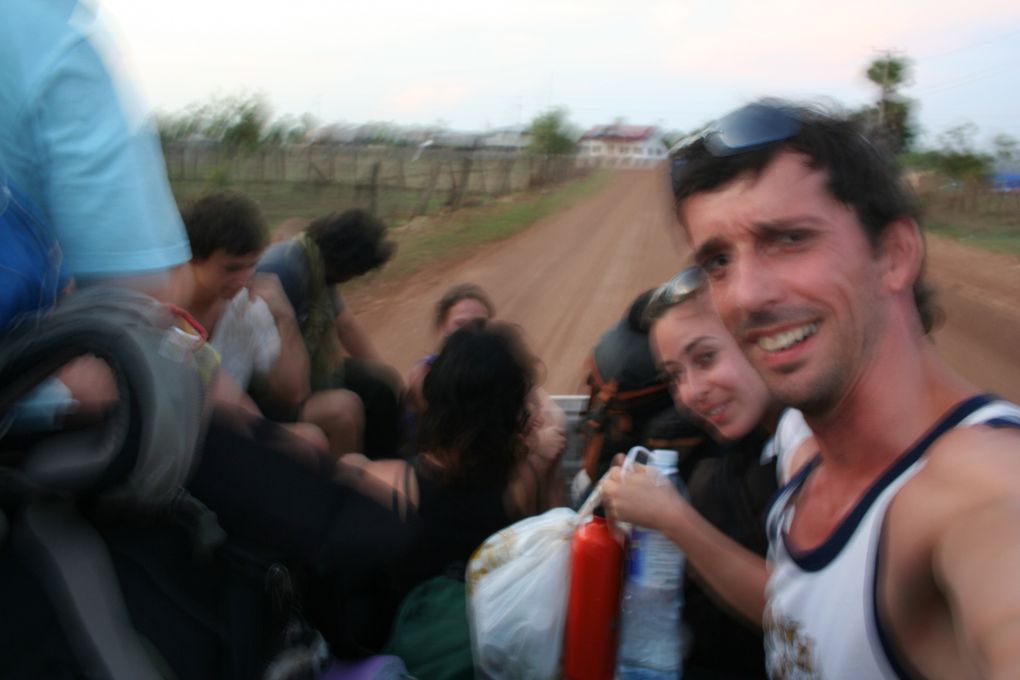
(477, 414)
(225, 220)
(352, 243)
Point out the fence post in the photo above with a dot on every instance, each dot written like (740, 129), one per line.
(373, 188)
(481, 172)
(506, 185)
(426, 195)
(461, 187)
(401, 176)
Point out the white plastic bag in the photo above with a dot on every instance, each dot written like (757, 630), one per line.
(518, 582)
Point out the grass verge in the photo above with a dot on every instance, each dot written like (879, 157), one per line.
(995, 238)
(452, 235)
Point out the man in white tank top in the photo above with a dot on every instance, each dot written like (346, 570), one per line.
(895, 550)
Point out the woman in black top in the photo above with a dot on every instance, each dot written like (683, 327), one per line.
(476, 472)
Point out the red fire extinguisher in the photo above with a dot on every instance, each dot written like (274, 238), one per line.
(593, 609)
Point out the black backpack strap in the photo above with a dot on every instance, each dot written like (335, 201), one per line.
(72, 561)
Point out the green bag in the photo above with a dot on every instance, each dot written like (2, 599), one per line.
(431, 632)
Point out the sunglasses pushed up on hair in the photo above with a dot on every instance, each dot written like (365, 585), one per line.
(678, 289)
(749, 127)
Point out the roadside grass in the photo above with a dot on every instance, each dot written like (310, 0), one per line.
(991, 223)
(441, 235)
(450, 236)
(282, 200)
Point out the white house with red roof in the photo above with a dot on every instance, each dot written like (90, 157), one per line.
(621, 146)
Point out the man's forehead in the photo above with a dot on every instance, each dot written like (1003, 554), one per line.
(750, 196)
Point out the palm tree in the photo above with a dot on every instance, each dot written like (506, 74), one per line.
(890, 72)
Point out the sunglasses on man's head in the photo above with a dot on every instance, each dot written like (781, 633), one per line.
(748, 128)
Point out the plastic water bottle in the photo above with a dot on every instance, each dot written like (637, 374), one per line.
(650, 641)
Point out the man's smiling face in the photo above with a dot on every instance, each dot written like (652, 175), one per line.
(793, 277)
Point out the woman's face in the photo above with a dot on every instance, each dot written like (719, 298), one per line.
(708, 373)
(461, 314)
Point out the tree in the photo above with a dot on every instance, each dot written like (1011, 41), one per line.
(1005, 148)
(967, 170)
(288, 130)
(552, 134)
(238, 121)
(889, 72)
(890, 117)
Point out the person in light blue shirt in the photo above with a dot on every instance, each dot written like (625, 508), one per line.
(80, 153)
(75, 140)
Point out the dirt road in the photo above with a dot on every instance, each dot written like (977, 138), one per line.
(570, 276)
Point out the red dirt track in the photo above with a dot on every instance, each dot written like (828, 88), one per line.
(570, 276)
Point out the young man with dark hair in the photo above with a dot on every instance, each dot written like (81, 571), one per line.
(894, 550)
(252, 325)
(330, 251)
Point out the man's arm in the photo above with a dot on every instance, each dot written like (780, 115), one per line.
(105, 186)
(90, 158)
(287, 380)
(976, 556)
(354, 338)
(977, 564)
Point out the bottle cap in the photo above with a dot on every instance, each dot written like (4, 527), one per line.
(664, 458)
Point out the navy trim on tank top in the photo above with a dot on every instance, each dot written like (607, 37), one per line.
(794, 482)
(896, 661)
(820, 557)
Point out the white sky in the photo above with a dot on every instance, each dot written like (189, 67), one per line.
(475, 64)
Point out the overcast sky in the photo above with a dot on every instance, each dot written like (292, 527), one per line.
(476, 65)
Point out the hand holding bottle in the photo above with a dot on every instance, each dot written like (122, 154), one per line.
(641, 496)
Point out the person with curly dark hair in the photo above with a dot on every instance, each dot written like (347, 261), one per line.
(330, 251)
(476, 472)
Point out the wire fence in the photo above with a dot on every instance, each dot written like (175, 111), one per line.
(390, 181)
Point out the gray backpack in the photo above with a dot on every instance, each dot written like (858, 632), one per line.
(135, 460)
(145, 448)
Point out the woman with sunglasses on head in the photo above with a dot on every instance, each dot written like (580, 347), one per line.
(721, 529)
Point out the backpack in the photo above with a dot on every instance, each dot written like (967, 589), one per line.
(626, 392)
(143, 451)
(431, 631)
(627, 396)
(31, 276)
(131, 463)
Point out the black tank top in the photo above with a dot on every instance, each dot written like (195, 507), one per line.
(455, 519)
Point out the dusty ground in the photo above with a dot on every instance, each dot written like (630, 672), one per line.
(573, 274)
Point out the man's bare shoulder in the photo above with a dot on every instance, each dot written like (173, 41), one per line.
(978, 458)
(953, 552)
(965, 468)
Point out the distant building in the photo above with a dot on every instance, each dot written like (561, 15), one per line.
(507, 139)
(621, 146)
(502, 139)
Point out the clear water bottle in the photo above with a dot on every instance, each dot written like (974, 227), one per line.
(650, 639)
